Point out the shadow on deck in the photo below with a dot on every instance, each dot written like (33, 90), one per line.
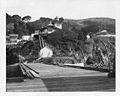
(89, 83)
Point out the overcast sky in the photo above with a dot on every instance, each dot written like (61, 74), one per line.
(75, 9)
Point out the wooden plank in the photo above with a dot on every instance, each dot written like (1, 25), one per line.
(14, 79)
(55, 78)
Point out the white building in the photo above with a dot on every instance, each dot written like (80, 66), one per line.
(13, 37)
(25, 37)
(58, 25)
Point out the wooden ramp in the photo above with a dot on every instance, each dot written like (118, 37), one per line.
(56, 78)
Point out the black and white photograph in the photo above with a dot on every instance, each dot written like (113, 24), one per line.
(60, 46)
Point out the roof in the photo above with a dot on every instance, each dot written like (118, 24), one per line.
(49, 26)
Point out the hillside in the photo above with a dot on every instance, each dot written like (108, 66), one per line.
(71, 39)
(100, 24)
(97, 19)
(85, 25)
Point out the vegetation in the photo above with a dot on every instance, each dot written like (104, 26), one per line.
(71, 39)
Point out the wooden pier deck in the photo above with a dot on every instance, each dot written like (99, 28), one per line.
(55, 78)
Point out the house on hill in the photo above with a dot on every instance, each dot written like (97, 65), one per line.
(48, 29)
(52, 26)
(11, 39)
(57, 22)
(25, 37)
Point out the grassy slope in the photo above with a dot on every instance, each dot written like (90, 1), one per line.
(102, 19)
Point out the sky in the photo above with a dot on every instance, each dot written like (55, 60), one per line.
(72, 9)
